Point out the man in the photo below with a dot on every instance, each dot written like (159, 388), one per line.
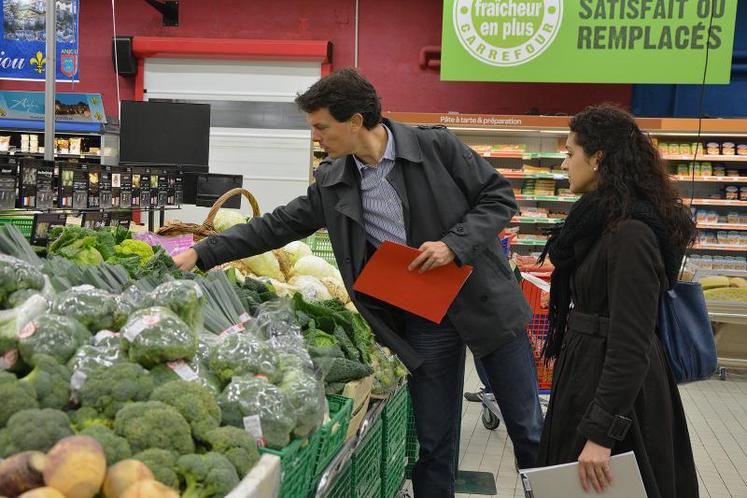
(420, 187)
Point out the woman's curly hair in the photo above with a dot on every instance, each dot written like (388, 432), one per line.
(630, 169)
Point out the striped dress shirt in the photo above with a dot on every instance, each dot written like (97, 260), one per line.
(382, 207)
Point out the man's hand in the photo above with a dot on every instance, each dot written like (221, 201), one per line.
(186, 260)
(594, 467)
(432, 255)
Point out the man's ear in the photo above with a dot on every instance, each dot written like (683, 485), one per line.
(356, 121)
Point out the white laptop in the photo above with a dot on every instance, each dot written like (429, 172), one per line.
(562, 481)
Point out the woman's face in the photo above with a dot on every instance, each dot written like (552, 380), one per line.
(581, 168)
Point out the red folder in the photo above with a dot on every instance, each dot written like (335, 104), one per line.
(428, 294)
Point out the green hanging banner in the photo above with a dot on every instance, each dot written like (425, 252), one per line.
(588, 41)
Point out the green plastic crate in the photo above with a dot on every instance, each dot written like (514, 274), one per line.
(343, 485)
(331, 436)
(394, 454)
(23, 223)
(297, 462)
(367, 463)
(321, 246)
(412, 448)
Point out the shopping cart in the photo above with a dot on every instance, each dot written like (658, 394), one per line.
(532, 285)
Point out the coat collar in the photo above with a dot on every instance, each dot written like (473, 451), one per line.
(342, 170)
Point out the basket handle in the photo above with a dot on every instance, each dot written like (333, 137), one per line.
(223, 198)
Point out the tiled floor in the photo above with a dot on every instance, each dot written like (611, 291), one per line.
(717, 418)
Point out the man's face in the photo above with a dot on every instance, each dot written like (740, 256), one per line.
(337, 138)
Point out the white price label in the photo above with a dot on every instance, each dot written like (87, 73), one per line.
(136, 328)
(77, 380)
(253, 425)
(27, 331)
(102, 335)
(183, 370)
(9, 359)
(245, 317)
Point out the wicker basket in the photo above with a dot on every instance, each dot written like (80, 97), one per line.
(206, 228)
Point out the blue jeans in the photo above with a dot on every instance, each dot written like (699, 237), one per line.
(436, 389)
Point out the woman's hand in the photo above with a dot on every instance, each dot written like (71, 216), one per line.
(594, 467)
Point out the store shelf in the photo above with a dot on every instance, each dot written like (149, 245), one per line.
(41, 154)
(536, 220)
(544, 155)
(30, 211)
(505, 154)
(528, 242)
(720, 247)
(719, 158)
(537, 176)
(551, 198)
(721, 226)
(711, 179)
(714, 202)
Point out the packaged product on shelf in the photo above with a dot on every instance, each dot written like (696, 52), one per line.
(743, 219)
(75, 147)
(34, 143)
(94, 181)
(8, 172)
(674, 148)
(24, 142)
(697, 148)
(62, 146)
(743, 193)
(713, 149)
(731, 193)
(145, 188)
(116, 187)
(727, 149)
(136, 179)
(701, 216)
(685, 149)
(163, 188)
(44, 192)
(683, 169)
(706, 169)
(80, 187)
(719, 171)
(732, 218)
(4, 143)
(65, 184)
(694, 167)
(154, 174)
(663, 148)
(126, 196)
(171, 189)
(722, 219)
(105, 187)
(179, 190)
(742, 150)
(27, 188)
(732, 172)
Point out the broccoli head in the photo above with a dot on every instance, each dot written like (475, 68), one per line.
(242, 353)
(51, 382)
(116, 448)
(195, 402)
(16, 274)
(305, 393)
(15, 396)
(55, 335)
(183, 297)
(235, 444)
(161, 463)
(256, 396)
(87, 416)
(107, 390)
(34, 430)
(20, 296)
(96, 309)
(207, 476)
(152, 424)
(156, 335)
(163, 374)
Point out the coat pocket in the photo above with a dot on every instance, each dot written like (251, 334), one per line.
(498, 263)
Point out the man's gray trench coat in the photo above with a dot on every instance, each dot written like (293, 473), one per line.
(448, 193)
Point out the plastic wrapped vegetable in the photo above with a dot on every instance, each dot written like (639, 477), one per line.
(243, 353)
(16, 274)
(105, 350)
(134, 298)
(12, 321)
(255, 404)
(388, 370)
(94, 308)
(305, 393)
(275, 318)
(183, 297)
(156, 335)
(54, 335)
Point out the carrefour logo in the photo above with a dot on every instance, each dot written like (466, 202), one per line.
(507, 32)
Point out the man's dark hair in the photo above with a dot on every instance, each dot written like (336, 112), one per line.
(344, 93)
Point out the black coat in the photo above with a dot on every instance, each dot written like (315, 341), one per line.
(612, 363)
(448, 193)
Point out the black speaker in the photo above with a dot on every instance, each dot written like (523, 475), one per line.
(122, 49)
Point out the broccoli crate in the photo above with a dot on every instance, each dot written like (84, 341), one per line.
(412, 448)
(297, 463)
(331, 436)
(394, 454)
(343, 485)
(23, 223)
(321, 246)
(367, 463)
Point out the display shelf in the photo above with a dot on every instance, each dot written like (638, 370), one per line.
(721, 226)
(538, 220)
(505, 154)
(551, 198)
(544, 155)
(22, 211)
(56, 155)
(536, 176)
(720, 247)
(528, 242)
(714, 202)
(710, 179)
(705, 157)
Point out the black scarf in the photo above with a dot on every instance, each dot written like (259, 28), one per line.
(588, 220)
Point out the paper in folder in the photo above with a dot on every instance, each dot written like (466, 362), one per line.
(562, 480)
(428, 294)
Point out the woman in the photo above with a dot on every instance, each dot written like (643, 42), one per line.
(620, 247)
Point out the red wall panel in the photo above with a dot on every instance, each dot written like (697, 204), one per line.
(391, 34)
